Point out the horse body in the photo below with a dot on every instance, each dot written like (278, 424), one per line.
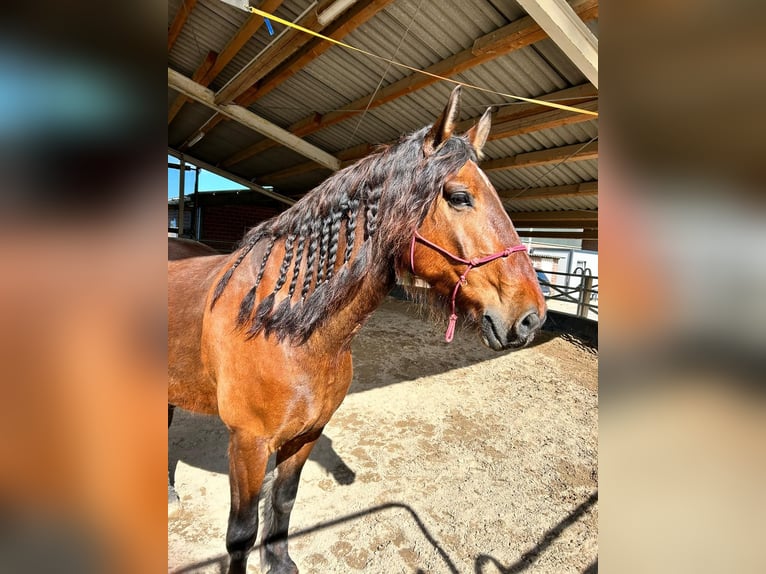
(262, 337)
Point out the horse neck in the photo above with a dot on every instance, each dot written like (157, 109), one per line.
(367, 295)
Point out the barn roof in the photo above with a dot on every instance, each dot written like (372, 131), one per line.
(306, 106)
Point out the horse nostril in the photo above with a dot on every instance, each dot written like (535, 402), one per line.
(528, 324)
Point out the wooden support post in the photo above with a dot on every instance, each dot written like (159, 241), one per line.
(181, 188)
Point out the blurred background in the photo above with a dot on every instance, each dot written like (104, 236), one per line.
(82, 286)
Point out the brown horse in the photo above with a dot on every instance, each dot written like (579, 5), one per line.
(262, 337)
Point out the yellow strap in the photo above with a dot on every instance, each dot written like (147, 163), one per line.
(395, 63)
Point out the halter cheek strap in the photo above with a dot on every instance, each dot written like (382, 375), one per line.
(471, 263)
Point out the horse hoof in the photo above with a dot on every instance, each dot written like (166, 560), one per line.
(174, 503)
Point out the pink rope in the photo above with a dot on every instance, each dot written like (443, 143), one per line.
(474, 262)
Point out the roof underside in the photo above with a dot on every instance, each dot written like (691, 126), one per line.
(331, 96)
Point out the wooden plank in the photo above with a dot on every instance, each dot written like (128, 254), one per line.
(243, 35)
(360, 13)
(238, 41)
(205, 96)
(574, 152)
(588, 188)
(541, 121)
(347, 157)
(199, 73)
(284, 45)
(570, 96)
(578, 214)
(524, 31)
(569, 33)
(178, 22)
(344, 25)
(556, 224)
(572, 234)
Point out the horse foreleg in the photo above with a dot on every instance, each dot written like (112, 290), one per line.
(248, 457)
(290, 460)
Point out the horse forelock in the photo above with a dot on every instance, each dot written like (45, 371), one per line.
(388, 192)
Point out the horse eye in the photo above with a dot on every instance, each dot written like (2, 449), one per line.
(460, 199)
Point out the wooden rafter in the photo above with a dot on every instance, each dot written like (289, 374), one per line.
(178, 22)
(203, 95)
(580, 218)
(282, 47)
(527, 123)
(574, 152)
(285, 68)
(237, 42)
(359, 14)
(571, 234)
(588, 188)
(569, 33)
(514, 36)
(199, 73)
(219, 62)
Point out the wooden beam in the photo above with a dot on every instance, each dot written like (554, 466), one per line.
(285, 68)
(247, 118)
(283, 46)
(574, 152)
(572, 234)
(569, 33)
(575, 96)
(560, 216)
(233, 177)
(541, 121)
(359, 14)
(243, 35)
(347, 157)
(589, 188)
(178, 22)
(199, 73)
(522, 33)
(238, 41)
(460, 62)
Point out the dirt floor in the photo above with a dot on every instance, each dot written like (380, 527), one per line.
(443, 458)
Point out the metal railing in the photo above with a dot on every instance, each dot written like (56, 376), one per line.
(580, 299)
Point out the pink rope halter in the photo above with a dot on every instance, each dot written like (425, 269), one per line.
(474, 262)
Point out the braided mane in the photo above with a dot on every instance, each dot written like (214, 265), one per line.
(388, 193)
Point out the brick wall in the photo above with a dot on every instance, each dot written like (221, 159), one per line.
(224, 225)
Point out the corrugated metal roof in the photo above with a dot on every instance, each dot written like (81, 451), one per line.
(419, 33)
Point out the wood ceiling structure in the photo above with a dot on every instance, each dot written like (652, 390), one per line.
(278, 110)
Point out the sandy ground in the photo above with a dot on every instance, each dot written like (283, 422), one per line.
(443, 458)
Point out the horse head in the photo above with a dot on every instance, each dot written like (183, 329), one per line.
(468, 251)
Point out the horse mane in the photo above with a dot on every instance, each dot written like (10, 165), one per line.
(389, 192)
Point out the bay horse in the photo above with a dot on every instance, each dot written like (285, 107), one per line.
(262, 337)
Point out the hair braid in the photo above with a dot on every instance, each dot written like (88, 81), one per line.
(325, 239)
(336, 218)
(297, 267)
(285, 263)
(353, 206)
(310, 258)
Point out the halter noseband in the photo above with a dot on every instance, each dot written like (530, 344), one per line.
(474, 262)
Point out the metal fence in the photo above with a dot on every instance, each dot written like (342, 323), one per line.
(575, 293)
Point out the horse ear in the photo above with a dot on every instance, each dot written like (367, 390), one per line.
(479, 133)
(444, 126)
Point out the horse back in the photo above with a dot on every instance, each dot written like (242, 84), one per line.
(189, 284)
(179, 248)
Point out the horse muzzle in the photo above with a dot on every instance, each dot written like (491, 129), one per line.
(497, 336)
